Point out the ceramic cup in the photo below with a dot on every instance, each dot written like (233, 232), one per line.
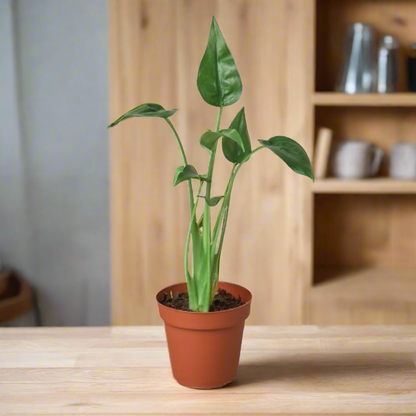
(356, 159)
(403, 161)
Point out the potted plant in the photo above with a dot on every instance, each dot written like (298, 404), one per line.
(204, 318)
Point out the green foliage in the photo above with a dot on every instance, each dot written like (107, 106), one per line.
(218, 81)
(213, 201)
(292, 153)
(209, 139)
(220, 85)
(145, 110)
(184, 173)
(232, 152)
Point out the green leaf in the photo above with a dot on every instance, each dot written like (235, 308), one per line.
(231, 150)
(292, 153)
(218, 81)
(145, 110)
(213, 201)
(184, 173)
(209, 138)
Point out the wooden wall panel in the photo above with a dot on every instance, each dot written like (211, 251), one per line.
(155, 50)
(365, 231)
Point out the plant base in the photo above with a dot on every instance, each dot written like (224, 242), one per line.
(204, 348)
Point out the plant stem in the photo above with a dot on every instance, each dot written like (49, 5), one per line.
(256, 150)
(178, 140)
(227, 200)
(207, 208)
(221, 221)
(184, 161)
(219, 114)
(193, 229)
(190, 280)
(220, 214)
(205, 295)
(234, 172)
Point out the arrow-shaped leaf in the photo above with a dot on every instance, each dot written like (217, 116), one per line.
(292, 153)
(213, 201)
(232, 151)
(184, 173)
(145, 110)
(209, 138)
(218, 81)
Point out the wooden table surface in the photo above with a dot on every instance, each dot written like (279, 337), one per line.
(125, 370)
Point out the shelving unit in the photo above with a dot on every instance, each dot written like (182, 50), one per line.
(364, 100)
(367, 296)
(364, 239)
(366, 186)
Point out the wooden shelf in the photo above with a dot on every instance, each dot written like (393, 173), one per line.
(364, 186)
(364, 228)
(377, 295)
(406, 99)
(379, 284)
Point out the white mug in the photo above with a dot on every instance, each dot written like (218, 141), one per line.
(356, 159)
(403, 161)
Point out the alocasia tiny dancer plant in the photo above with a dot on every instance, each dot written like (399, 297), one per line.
(220, 85)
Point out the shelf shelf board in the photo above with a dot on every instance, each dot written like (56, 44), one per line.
(364, 186)
(366, 296)
(406, 99)
(383, 285)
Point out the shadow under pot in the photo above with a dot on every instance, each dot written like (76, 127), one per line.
(355, 159)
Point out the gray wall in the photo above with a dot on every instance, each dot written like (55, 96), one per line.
(54, 191)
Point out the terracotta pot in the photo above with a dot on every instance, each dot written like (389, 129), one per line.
(204, 348)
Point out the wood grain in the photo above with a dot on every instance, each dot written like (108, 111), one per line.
(284, 370)
(364, 186)
(155, 50)
(321, 153)
(271, 209)
(147, 214)
(380, 295)
(365, 231)
(365, 100)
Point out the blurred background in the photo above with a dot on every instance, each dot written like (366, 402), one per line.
(54, 187)
(338, 76)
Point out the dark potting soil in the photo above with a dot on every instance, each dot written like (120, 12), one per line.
(222, 301)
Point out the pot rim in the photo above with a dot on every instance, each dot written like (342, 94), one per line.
(244, 305)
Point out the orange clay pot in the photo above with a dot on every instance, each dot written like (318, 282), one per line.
(204, 348)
